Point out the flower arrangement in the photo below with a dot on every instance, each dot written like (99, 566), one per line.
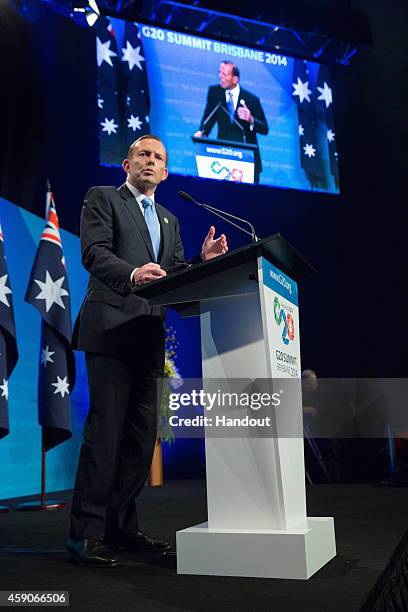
(171, 380)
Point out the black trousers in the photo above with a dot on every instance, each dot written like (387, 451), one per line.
(118, 443)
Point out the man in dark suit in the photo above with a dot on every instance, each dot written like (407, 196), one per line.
(126, 239)
(238, 113)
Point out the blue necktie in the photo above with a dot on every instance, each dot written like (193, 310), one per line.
(152, 223)
(231, 108)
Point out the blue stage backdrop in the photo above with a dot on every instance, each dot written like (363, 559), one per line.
(156, 80)
(20, 451)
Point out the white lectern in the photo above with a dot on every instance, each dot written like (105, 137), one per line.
(257, 526)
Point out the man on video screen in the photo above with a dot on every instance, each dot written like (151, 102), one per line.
(237, 112)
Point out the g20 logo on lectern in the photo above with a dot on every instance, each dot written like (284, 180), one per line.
(229, 174)
(288, 332)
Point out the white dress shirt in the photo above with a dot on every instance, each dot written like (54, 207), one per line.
(141, 196)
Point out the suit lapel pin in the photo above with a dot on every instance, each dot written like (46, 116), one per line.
(165, 219)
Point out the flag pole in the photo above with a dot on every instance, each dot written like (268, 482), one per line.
(43, 464)
(42, 504)
(47, 202)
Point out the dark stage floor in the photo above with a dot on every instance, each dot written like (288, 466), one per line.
(370, 522)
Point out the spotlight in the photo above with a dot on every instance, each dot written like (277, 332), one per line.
(92, 13)
(90, 10)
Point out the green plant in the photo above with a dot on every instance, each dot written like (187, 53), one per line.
(171, 380)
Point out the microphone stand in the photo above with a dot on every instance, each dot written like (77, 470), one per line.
(214, 110)
(234, 121)
(237, 123)
(224, 215)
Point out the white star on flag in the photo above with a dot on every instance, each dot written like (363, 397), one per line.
(132, 56)
(4, 290)
(325, 94)
(134, 123)
(4, 389)
(109, 126)
(330, 135)
(51, 291)
(302, 90)
(46, 356)
(100, 102)
(301, 130)
(309, 150)
(61, 386)
(103, 52)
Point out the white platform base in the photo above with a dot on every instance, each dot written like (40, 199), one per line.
(296, 554)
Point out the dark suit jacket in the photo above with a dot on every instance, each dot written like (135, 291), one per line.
(115, 240)
(231, 131)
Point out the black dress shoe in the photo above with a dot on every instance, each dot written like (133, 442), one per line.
(136, 541)
(92, 553)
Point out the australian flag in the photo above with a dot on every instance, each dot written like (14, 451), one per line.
(48, 291)
(8, 343)
(123, 90)
(309, 133)
(325, 110)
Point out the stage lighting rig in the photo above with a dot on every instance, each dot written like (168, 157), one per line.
(303, 28)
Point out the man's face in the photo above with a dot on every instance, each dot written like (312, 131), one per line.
(227, 80)
(146, 167)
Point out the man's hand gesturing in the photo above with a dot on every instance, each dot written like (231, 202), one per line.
(244, 113)
(212, 248)
(147, 273)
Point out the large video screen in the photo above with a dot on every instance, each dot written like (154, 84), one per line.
(224, 111)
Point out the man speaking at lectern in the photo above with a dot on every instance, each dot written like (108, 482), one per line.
(237, 112)
(127, 238)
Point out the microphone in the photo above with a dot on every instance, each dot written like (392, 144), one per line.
(224, 215)
(214, 110)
